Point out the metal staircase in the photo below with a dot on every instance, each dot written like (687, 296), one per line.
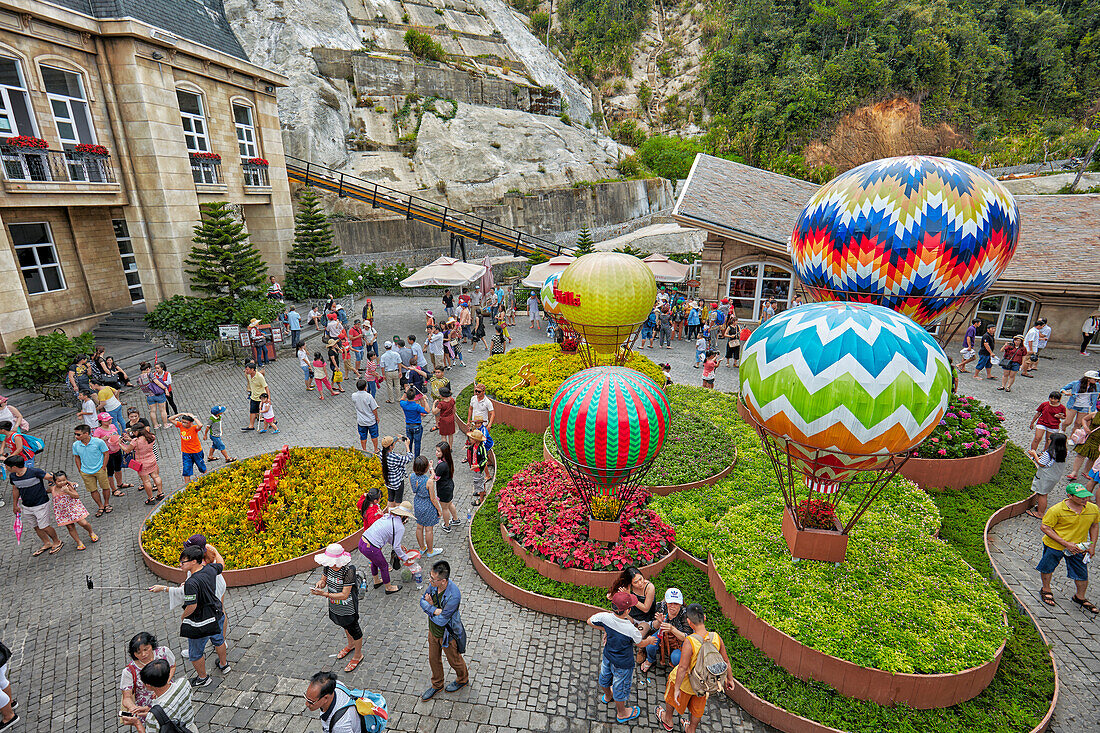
(459, 224)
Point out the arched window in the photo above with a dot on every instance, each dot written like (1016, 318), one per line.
(68, 100)
(750, 284)
(1011, 314)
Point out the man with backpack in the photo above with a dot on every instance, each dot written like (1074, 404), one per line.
(338, 584)
(172, 710)
(621, 636)
(704, 668)
(344, 710)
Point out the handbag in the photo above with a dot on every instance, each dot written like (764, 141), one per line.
(994, 360)
(134, 465)
(337, 376)
(167, 725)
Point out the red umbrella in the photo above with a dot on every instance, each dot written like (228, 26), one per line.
(487, 277)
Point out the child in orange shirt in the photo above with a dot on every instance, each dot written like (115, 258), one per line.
(189, 427)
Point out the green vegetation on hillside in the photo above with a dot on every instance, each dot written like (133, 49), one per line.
(600, 34)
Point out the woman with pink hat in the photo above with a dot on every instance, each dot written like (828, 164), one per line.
(108, 433)
(339, 587)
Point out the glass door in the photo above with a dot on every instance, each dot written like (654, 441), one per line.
(129, 261)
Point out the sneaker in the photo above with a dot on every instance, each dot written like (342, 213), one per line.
(446, 528)
(456, 523)
(224, 669)
(263, 430)
(1084, 353)
(434, 553)
(10, 723)
(201, 682)
(275, 430)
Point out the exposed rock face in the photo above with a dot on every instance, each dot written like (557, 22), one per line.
(881, 130)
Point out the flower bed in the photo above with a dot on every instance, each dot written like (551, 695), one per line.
(544, 514)
(313, 507)
(501, 374)
(969, 428)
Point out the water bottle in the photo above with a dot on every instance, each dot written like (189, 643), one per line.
(469, 516)
(419, 578)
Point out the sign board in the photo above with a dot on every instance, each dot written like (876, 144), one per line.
(277, 335)
(229, 333)
(244, 339)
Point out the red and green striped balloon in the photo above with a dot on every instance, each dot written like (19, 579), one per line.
(609, 421)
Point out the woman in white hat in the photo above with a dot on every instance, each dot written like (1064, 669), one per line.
(386, 530)
(1081, 397)
(339, 587)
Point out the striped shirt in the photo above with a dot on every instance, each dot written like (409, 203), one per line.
(397, 467)
(176, 702)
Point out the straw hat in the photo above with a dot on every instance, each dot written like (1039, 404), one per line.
(1091, 374)
(476, 435)
(404, 509)
(334, 556)
(387, 441)
(254, 322)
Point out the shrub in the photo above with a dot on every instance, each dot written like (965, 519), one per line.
(423, 46)
(540, 21)
(39, 360)
(199, 318)
(968, 428)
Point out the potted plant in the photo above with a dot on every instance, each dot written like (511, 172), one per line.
(257, 162)
(965, 448)
(91, 151)
(816, 534)
(207, 158)
(25, 142)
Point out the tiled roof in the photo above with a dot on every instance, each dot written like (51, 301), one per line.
(1059, 235)
(201, 21)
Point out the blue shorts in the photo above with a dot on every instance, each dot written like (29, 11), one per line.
(155, 399)
(193, 459)
(308, 371)
(983, 362)
(367, 431)
(217, 443)
(1010, 366)
(358, 352)
(197, 647)
(618, 678)
(1076, 569)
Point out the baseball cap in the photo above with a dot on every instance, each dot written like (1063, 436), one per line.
(195, 540)
(1079, 491)
(217, 410)
(388, 344)
(623, 601)
(673, 595)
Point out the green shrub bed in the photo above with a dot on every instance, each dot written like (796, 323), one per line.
(695, 447)
(1014, 702)
(501, 374)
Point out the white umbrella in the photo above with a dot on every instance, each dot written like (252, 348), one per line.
(444, 272)
(537, 277)
(666, 270)
(487, 277)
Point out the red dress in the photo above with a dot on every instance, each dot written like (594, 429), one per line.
(446, 418)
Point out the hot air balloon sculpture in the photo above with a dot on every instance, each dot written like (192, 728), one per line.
(840, 394)
(609, 424)
(921, 235)
(606, 296)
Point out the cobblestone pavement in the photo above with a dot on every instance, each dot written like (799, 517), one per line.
(529, 671)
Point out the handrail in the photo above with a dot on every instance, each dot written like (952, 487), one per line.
(415, 208)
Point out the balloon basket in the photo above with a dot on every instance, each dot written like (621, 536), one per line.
(605, 345)
(814, 544)
(601, 531)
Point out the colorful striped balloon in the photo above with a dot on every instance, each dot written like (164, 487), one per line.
(609, 421)
(858, 381)
(917, 234)
(550, 304)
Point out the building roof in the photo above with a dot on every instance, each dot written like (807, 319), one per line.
(200, 21)
(1058, 249)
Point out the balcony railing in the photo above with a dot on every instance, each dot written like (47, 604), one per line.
(59, 166)
(255, 175)
(206, 171)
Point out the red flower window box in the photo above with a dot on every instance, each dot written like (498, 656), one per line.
(207, 157)
(25, 141)
(257, 162)
(95, 151)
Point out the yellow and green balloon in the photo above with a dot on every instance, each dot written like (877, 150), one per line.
(606, 296)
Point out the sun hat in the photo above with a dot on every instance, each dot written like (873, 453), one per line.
(404, 509)
(334, 556)
(195, 540)
(1079, 491)
(1092, 374)
(254, 322)
(623, 601)
(387, 441)
(476, 435)
(103, 416)
(217, 410)
(673, 595)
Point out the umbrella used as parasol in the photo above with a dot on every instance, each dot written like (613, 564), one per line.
(487, 277)
(444, 272)
(543, 270)
(666, 270)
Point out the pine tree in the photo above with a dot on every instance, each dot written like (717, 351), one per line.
(223, 262)
(311, 270)
(584, 243)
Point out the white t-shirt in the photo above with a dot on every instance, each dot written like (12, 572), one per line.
(1044, 336)
(334, 328)
(435, 344)
(303, 358)
(1031, 339)
(88, 406)
(365, 405)
(481, 407)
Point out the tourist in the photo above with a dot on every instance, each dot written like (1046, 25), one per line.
(391, 368)
(1044, 335)
(456, 344)
(108, 401)
(408, 359)
(985, 354)
(666, 371)
(171, 699)
(137, 697)
(116, 371)
(437, 382)
(498, 343)
(333, 704)
(694, 322)
(370, 339)
(202, 612)
(478, 331)
(8, 716)
(88, 409)
(732, 333)
(15, 444)
(1087, 438)
(335, 360)
(190, 445)
(632, 581)
(533, 311)
(109, 434)
(426, 507)
(169, 389)
(1049, 466)
(664, 327)
(445, 630)
(479, 463)
(416, 382)
(89, 452)
(339, 586)
(143, 443)
(1048, 418)
(649, 330)
(368, 311)
(710, 364)
(314, 316)
(258, 339)
(435, 347)
(79, 375)
(1081, 398)
(414, 428)
(1012, 358)
(671, 628)
(1070, 530)
(213, 431)
(1031, 344)
(366, 415)
(156, 395)
(394, 468)
(388, 529)
(255, 385)
(444, 411)
(448, 303)
(510, 306)
(1088, 331)
(333, 327)
(355, 342)
(480, 406)
(687, 691)
(320, 377)
(969, 350)
(12, 415)
(617, 662)
(274, 290)
(445, 486)
(466, 320)
(29, 493)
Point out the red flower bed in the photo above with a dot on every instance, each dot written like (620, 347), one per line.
(259, 162)
(544, 513)
(816, 514)
(91, 149)
(26, 141)
(212, 157)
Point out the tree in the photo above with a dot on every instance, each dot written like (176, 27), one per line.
(584, 243)
(223, 263)
(312, 269)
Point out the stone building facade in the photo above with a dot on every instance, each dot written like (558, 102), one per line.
(748, 215)
(160, 85)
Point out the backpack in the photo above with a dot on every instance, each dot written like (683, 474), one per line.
(36, 445)
(167, 725)
(710, 666)
(369, 706)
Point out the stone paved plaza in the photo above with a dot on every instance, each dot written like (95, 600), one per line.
(528, 671)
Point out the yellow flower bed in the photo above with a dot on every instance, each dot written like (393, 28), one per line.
(313, 506)
(504, 382)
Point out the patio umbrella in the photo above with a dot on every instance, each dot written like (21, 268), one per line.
(444, 272)
(543, 270)
(486, 277)
(666, 270)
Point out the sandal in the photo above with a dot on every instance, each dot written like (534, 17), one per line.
(125, 486)
(94, 537)
(40, 550)
(646, 666)
(603, 698)
(57, 549)
(99, 513)
(634, 713)
(659, 713)
(158, 497)
(150, 502)
(344, 652)
(1087, 605)
(108, 508)
(80, 546)
(1000, 389)
(1047, 597)
(353, 664)
(231, 460)
(1033, 513)
(118, 492)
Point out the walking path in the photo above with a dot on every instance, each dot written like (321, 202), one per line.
(529, 671)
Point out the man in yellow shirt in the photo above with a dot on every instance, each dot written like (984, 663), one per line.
(1070, 530)
(256, 385)
(679, 693)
